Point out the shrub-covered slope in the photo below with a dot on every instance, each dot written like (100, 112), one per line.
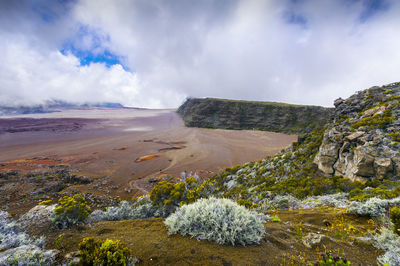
(270, 116)
(358, 152)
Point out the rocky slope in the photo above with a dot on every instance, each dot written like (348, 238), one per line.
(363, 142)
(269, 116)
(357, 153)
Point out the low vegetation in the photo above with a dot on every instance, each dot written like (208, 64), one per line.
(70, 211)
(220, 220)
(18, 248)
(388, 241)
(108, 252)
(313, 212)
(394, 214)
(141, 208)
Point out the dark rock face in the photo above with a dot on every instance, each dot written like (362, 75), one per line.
(363, 141)
(269, 116)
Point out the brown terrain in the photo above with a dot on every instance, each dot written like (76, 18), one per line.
(283, 243)
(122, 153)
(125, 151)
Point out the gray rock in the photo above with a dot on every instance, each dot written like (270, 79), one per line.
(383, 166)
(364, 163)
(338, 102)
(374, 111)
(312, 239)
(355, 135)
(37, 216)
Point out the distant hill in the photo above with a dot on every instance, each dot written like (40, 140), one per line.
(269, 116)
(53, 106)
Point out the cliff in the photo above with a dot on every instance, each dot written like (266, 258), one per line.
(269, 116)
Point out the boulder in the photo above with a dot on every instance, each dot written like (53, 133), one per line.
(328, 153)
(363, 162)
(39, 215)
(355, 135)
(374, 111)
(383, 167)
(345, 161)
(312, 239)
(338, 102)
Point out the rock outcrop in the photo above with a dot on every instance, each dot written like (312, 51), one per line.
(269, 116)
(363, 141)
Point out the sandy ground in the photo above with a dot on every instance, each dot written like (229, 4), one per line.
(131, 146)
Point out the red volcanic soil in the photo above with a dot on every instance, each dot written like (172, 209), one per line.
(130, 147)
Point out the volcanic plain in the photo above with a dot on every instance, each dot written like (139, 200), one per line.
(126, 150)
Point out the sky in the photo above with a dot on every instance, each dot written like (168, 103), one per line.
(157, 53)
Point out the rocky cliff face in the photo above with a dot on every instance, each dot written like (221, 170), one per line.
(230, 114)
(363, 141)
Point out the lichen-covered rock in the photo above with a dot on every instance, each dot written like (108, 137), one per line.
(38, 216)
(312, 239)
(362, 142)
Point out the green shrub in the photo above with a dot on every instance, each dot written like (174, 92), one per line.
(247, 203)
(185, 192)
(108, 252)
(375, 121)
(394, 214)
(220, 220)
(395, 136)
(70, 211)
(328, 260)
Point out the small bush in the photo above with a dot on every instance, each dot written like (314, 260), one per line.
(27, 255)
(220, 220)
(184, 192)
(141, 208)
(11, 234)
(394, 214)
(373, 207)
(328, 260)
(390, 243)
(108, 252)
(70, 211)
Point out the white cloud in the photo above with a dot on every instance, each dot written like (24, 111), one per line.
(243, 49)
(30, 75)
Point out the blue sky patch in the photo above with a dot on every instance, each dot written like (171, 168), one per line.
(88, 57)
(88, 45)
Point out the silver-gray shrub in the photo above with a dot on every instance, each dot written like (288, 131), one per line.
(338, 200)
(373, 207)
(27, 255)
(390, 243)
(142, 208)
(220, 220)
(11, 234)
(285, 202)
